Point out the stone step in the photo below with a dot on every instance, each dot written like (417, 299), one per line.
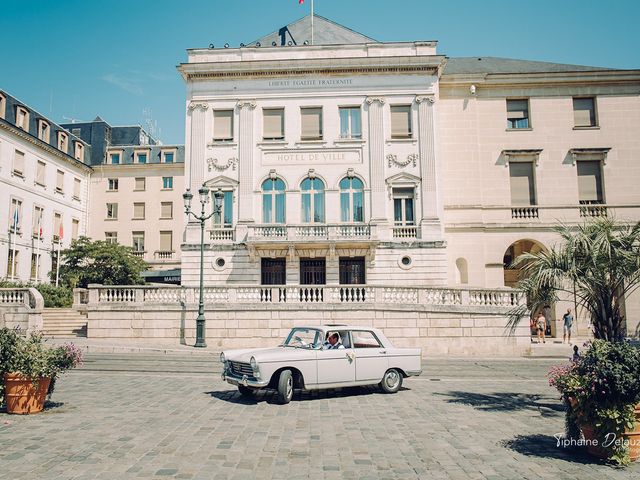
(63, 322)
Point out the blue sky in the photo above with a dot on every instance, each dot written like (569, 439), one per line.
(117, 58)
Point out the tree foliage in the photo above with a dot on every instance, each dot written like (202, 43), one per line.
(598, 262)
(87, 261)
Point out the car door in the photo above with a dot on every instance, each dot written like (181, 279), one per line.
(336, 366)
(371, 357)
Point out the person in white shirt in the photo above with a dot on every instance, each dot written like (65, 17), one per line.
(333, 342)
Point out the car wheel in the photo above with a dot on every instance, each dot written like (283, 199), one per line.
(392, 381)
(245, 391)
(285, 386)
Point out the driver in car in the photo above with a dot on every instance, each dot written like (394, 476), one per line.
(333, 342)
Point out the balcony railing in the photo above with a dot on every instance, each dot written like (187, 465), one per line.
(525, 213)
(164, 254)
(592, 208)
(139, 253)
(309, 294)
(311, 231)
(222, 234)
(405, 231)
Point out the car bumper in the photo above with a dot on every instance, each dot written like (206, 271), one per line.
(413, 373)
(243, 380)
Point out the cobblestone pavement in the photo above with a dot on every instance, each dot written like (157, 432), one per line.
(165, 416)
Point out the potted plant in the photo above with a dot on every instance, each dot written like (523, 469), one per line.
(602, 393)
(29, 369)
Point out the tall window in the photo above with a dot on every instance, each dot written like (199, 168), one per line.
(35, 266)
(401, 121)
(138, 211)
(140, 184)
(111, 237)
(75, 228)
(166, 241)
(584, 112)
(311, 123)
(312, 200)
(166, 210)
(112, 211)
(350, 122)
(12, 263)
(313, 271)
(57, 227)
(403, 208)
(63, 142)
(167, 183)
(523, 190)
(15, 215)
(18, 163)
(59, 181)
(273, 201)
(590, 182)
(138, 241)
(43, 131)
(41, 168)
(273, 124)
(76, 188)
(351, 200)
(223, 125)
(352, 270)
(224, 217)
(38, 213)
(518, 114)
(274, 271)
(79, 151)
(22, 118)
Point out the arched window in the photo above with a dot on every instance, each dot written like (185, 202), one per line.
(351, 200)
(273, 201)
(312, 200)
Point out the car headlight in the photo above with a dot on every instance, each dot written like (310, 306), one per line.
(222, 358)
(254, 364)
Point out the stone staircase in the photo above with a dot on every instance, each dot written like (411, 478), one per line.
(63, 323)
(554, 348)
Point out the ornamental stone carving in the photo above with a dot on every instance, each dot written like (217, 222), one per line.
(198, 105)
(371, 100)
(246, 103)
(213, 163)
(411, 158)
(425, 98)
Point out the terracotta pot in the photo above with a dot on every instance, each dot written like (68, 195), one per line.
(22, 395)
(630, 436)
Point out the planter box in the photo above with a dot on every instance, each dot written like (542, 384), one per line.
(24, 396)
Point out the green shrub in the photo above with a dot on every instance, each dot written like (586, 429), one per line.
(54, 297)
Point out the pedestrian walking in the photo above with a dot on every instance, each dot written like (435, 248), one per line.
(568, 323)
(541, 323)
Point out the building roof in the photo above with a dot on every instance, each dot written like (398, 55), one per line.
(325, 32)
(480, 65)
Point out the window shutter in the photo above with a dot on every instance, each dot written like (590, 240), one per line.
(166, 241)
(75, 226)
(522, 187)
(273, 124)
(60, 181)
(311, 123)
(57, 219)
(76, 188)
(140, 181)
(400, 121)
(584, 112)
(517, 109)
(166, 210)
(18, 162)
(590, 181)
(223, 125)
(138, 210)
(40, 169)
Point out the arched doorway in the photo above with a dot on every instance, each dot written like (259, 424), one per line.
(512, 275)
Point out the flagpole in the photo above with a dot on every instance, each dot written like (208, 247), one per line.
(12, 245)
(38, 249)
(311, 22)
(58, 261)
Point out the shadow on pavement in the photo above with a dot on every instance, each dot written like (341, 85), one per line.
(269, 396)
(546, 446)
(506, 402)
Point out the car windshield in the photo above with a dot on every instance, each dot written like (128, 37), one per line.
(304, 338)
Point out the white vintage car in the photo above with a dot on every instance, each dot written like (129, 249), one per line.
(308, 360)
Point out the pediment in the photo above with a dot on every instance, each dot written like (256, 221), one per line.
(403, 178)
(221, 181)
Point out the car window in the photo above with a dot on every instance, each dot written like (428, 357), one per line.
(344, 337)
(364, 339)
(303, 338)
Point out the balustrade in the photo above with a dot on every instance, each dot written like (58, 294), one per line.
(224, 234)
(524, 213)
(405, 232)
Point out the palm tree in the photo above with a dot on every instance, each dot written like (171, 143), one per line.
(598, 262)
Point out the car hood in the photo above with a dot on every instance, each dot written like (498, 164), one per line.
(266, 355)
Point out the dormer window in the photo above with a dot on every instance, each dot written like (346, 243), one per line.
(79, 151)
(3, 105)
(142, 157)
(22, 118)
(168, 156)
(43, 131)
(113, 158)
(63, 142)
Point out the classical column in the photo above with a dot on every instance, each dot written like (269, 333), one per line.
(376, 159)
(197, 145)
(246, 146)
(430, 221)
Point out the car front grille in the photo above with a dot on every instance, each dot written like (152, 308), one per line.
(239, 368)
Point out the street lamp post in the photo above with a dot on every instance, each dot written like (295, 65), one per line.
(203, 217)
